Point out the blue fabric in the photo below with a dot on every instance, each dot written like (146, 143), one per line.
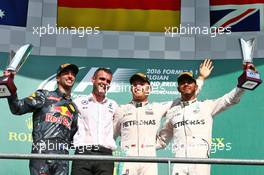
(14, 12)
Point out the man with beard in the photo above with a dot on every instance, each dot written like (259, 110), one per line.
(138, 122)
(54, 121)
(95, 133)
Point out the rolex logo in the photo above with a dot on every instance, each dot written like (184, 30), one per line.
(29, 123)
(22, 136)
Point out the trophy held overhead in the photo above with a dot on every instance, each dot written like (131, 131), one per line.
(250, 77)
(7, 86)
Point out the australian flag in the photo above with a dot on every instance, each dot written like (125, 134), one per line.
(240, 15)
(13, 12)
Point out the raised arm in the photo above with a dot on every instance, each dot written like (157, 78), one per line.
(28, 104)
(229, 99)
(204, 71)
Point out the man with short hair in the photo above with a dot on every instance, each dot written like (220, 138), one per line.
(189, 124)
(54, 121)
(95, 134)
(138, 122)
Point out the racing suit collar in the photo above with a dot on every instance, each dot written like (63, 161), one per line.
(187, 103)
(63, 95)
(139, 104)
(93, 99)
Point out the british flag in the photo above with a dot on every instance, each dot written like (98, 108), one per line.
(240, 15)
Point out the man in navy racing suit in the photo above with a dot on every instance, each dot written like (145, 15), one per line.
(54, 121)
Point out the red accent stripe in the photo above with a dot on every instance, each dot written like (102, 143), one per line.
(234, 2)
(124, 4)
(237, 18)
(54, 98)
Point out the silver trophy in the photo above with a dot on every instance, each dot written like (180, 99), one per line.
(7, 86)
(247, 48)
(250, 78)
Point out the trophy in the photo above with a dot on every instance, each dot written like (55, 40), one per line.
(250, 77)
(7, 86)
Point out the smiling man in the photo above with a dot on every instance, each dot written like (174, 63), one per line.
(189, 123)
(95, 133)
(138, 122)
(54, 121)
(187, 86)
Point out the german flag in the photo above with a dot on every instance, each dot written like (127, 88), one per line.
(120, 15)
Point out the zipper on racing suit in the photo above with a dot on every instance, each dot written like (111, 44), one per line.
(185, 133)
(138, 107)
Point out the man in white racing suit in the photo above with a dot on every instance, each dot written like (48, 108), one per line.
(189, 124)
(138, 122)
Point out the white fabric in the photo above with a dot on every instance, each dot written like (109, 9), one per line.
(131, 168)
(138, 127)
(95, 124)
(190, 126)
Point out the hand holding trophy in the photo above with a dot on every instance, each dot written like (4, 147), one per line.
(7, 86)
(250, 78)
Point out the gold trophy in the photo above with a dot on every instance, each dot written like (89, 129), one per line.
(7, 86)
(250, 77)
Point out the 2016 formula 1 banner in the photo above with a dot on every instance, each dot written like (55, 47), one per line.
(237, 132)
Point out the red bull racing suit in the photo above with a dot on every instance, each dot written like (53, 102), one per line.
(189, 124)
(54, 124)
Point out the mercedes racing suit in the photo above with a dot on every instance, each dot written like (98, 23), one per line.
(54, 124)
(138, 124)
(190, 126)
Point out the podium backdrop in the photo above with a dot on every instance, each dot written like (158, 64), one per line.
(237, 132)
